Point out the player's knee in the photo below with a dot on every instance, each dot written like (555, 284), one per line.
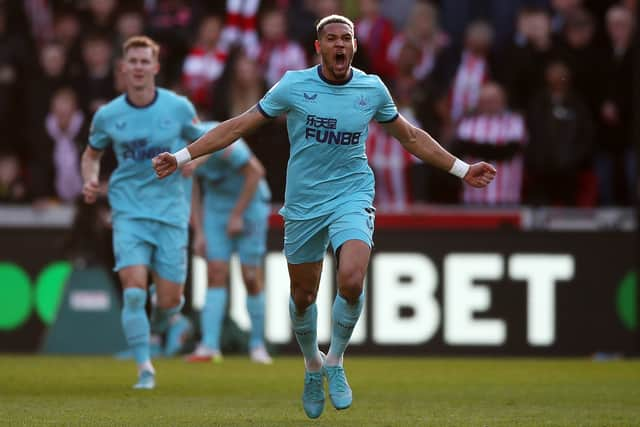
(135, 298)
(303, 298)
(217, 275)
(252, 281)
(350, 281)
(253, 285)
(169, 301)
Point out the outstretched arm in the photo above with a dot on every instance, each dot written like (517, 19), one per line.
(216, 139)
(422, 145)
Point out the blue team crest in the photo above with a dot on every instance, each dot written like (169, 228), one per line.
(165, 123)
(121, 124)
(362, 102)
(310, 97)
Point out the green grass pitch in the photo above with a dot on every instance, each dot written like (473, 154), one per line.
(398, 391)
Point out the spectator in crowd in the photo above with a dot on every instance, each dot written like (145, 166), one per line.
(405, 83)
(12, 186)
(375, 33)
(493, 134)
(616, 160)
(391, 166)
(300, 17)
(204, 64)
(561, 141)
(524, 62)
(433, 111)
(100, 17)
(577, 49)
(39, 15)
(13, 70)
(67, 31)
(311, 11)
(240, 87)
(96, 85)
(523, 30)
(421, 30)
(398, 11)
(471, 69)
(599, 54)
(49, 76)
(170, 23)
(277, 53)
(562, 9)
(129, 23)
(55, 170)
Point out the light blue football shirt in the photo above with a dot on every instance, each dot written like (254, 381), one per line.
(327, 125)
(138, 134)
(222, 179)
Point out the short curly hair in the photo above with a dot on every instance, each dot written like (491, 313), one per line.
(332, 19)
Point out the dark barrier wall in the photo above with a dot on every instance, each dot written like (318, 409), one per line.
(500, 292)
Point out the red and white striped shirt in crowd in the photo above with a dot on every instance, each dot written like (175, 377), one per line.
(376, 34)
(503, 136)
(277, 58)
(471, 74)
(390, 163)
(200, 70)
(427, 57)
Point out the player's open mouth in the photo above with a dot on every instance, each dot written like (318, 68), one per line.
(341, 59)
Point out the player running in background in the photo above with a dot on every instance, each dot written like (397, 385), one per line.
(233, 217)
(150, 217)
(330, 189)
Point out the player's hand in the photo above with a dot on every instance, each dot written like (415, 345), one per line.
(199, 243)
(480, 174)
(164, 164)
(90, 191)
(235, 225)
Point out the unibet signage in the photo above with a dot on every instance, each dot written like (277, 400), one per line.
(18, 297)
(404, 283)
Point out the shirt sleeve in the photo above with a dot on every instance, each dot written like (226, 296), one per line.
(276, 101)
(237, 154)
(99, 139)
(387, 110)
(191, 129)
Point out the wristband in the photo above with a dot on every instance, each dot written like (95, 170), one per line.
(183, 156)
(459, 168)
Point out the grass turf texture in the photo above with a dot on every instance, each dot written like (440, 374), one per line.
(88, 391)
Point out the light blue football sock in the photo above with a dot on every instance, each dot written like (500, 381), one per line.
(136, 324)
(212, 316)
(305, 328)
(343, 319)
(255, 307)
(160, 317)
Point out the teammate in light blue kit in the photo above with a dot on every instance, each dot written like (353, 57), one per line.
(150, 230)
(329, 190)
(233, 218)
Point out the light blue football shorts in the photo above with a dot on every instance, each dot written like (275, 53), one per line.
(161, 247)
(307, 240)
(250, 245)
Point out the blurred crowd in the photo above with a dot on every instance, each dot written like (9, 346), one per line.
(543, 89)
